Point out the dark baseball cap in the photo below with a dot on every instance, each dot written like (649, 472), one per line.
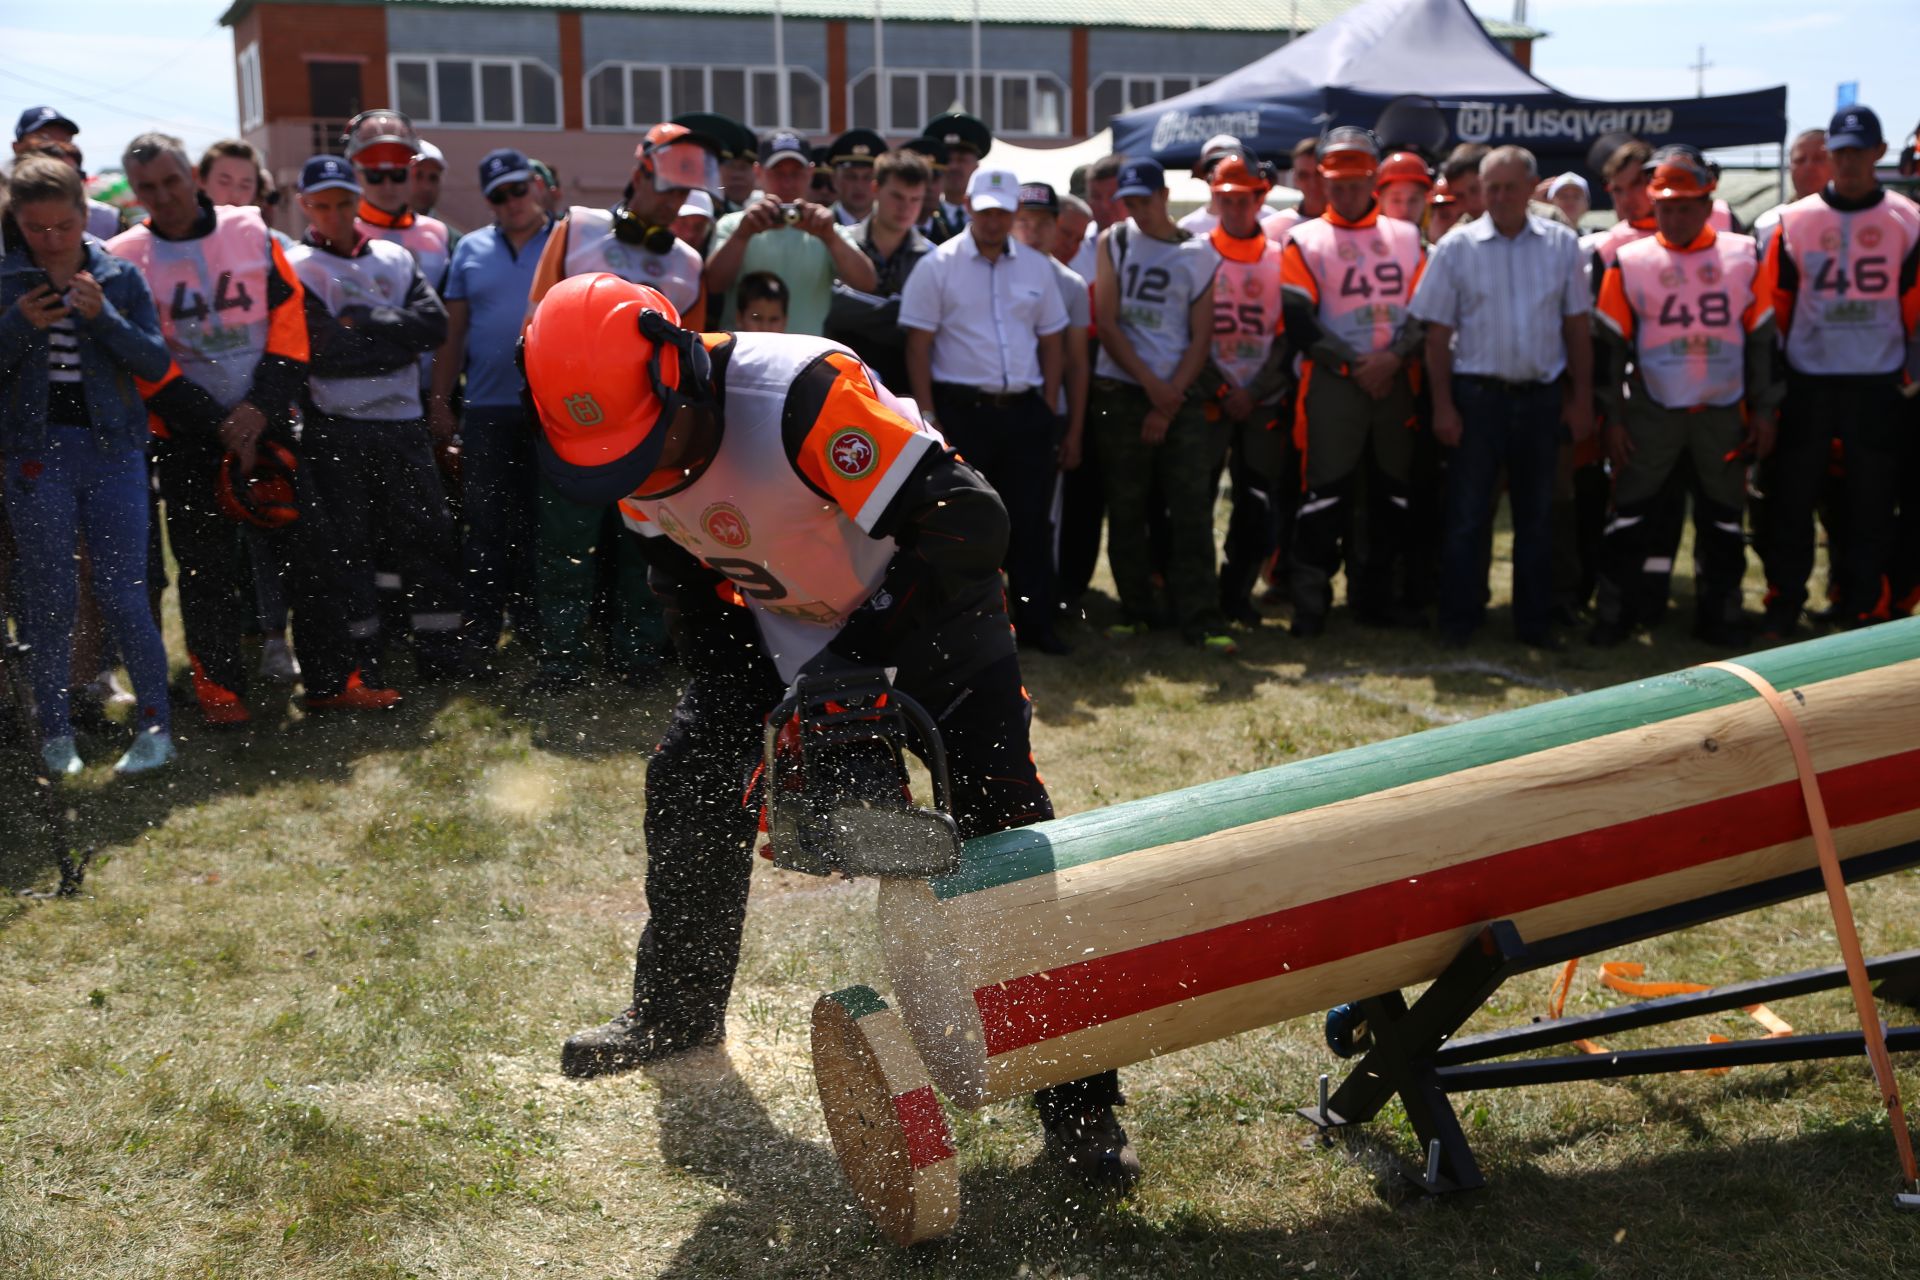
(1139, 178)
(34, 119)
(1038, 195)
(327, 173)
(501, 166)
(777, 146)
(1854, 127)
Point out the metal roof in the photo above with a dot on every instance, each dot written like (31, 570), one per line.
(1245, 15)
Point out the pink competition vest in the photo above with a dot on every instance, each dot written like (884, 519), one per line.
(1689, 315)
(1365, 275)
(1846, 313)
(1246, 312)
(211, 293)
(592, 246)
(426, 239)
(1279, 224)
(801, 564)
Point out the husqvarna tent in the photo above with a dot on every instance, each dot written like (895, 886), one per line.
(1433, 53)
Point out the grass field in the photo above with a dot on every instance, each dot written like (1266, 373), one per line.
(305, 1019)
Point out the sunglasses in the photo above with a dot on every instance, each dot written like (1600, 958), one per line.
(509, 191)
(378, 176)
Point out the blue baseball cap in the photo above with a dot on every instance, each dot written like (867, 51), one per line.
(780, 145)
(327, 173)
(1139, 178)
(33, 119)
(502, 166)
(1854, 127)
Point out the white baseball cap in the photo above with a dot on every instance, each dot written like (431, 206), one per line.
(1566, 180)
(993, 189)
(698, 205)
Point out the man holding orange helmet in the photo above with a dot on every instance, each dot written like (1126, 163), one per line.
(1348, 276)
(1689, 345)
(799, 519)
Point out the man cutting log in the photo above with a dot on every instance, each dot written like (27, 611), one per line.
(799, 519)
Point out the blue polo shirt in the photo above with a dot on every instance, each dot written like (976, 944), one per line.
(494, 282)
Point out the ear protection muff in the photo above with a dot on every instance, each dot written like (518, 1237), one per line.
(630, 229)
(696, 365)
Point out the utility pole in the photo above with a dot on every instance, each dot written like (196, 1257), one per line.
(1699, 69)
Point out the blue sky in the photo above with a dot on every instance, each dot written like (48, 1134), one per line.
(119, 67)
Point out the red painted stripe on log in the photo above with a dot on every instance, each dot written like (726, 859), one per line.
(1027, 1010)
(925, 1125)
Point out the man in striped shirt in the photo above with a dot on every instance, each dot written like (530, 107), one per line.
(1507, 309)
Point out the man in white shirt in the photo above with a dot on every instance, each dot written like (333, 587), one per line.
(984, 317)
(1506, 304)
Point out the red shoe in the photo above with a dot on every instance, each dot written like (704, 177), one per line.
(220, 706)
(355, 697)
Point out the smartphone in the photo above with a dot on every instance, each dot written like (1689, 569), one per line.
(37, 278)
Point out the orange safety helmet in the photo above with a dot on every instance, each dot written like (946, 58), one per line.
(265, 498)
(604, 361)
(1443, 192)
(677, 158)
(1675, 174)
(381, 139)
(1403, 166)
(1233, 173)
(1348, 152)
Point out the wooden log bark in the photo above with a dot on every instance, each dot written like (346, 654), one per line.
(1109, 937)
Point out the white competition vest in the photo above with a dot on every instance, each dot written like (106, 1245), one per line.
(1159, 280)
(802, 564)
(425, 238)
(592, 246)
(1689, 312)
(211, 293)
(380, 277)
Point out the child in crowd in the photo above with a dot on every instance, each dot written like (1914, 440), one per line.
(761, 303)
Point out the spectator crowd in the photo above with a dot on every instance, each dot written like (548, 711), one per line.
(334, 431)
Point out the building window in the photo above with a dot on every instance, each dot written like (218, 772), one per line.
(1117, 94)
(253, 110)
(626, 95)
(484, 92)
(1015, 103)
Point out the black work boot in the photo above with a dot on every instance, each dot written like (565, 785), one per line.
(625, 1043)
(1090, 1145)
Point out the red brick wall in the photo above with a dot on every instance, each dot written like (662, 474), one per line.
(290, 35)
(573, 110)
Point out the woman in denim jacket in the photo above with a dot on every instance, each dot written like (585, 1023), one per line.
(77, 326)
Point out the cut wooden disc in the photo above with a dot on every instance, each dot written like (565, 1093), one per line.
(888, 1129)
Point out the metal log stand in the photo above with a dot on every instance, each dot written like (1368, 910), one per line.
(1412, 1052)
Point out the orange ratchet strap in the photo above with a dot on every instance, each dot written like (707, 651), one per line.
(1870, 1026)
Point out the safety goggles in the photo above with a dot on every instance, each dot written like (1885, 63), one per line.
(378, 176)
(685, 166)
(507, 191)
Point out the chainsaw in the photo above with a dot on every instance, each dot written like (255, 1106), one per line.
(837, 794)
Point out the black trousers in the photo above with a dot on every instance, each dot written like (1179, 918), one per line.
(1013, 446)
(1258, 484)
(701, 827)
(216, 591)
(387, 514)
(1866, 416)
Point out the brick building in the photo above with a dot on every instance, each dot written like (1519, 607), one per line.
(571, 84)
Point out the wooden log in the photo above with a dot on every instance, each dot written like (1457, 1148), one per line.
(1112, 936)
(887, 1126)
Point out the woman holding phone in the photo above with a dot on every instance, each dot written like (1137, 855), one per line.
(77, 327)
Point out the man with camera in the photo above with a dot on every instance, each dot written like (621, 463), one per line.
(790, 236)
